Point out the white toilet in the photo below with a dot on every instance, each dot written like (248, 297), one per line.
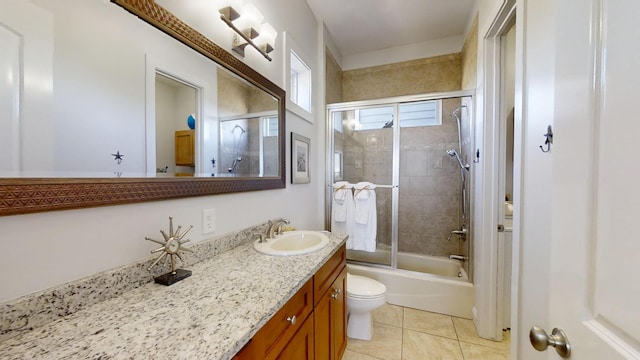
(363, 296)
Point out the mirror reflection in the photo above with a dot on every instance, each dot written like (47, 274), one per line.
(117, 98)
(245, 127)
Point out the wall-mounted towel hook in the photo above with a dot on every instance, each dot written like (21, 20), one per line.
(548, 141)
(477, 159)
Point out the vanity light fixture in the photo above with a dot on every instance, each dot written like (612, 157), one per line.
(246, 21)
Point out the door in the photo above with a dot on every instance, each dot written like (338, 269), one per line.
(363, 141)
(26, 90)
(330, 320)
(580, 202)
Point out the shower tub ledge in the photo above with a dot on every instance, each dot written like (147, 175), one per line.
(442, 294)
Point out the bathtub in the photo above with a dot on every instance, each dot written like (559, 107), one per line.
(433, 283)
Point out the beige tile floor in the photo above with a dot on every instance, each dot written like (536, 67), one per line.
(401, 333)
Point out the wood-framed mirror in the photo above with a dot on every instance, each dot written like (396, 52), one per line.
(27, 194)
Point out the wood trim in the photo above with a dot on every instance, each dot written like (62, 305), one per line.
(22, 196)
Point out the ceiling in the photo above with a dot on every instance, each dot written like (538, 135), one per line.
(360, 26)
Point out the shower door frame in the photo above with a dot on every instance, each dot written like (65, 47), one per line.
(395, 177)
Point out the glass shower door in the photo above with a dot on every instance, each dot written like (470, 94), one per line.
(363, 150)
(430, 182)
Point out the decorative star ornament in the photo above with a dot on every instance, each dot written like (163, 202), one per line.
(171, 247)
(117, 156)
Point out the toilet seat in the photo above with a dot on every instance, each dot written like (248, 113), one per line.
(360, 287)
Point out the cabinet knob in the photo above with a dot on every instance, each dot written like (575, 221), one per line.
(336, 293)
(292, 319)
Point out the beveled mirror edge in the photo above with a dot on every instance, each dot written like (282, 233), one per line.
(31, 195)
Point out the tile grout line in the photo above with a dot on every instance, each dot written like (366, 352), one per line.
(402, 326)
(458, 337)
(457, 331)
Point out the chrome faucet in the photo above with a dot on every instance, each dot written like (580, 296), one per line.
(260, 237)
(462, 232)
(459, 257)
(275, 227)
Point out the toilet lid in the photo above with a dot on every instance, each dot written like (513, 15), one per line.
(361, 286)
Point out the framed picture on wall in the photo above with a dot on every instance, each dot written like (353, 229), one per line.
(300, 147)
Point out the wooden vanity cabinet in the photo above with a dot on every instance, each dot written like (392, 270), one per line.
(330, 312)
(185, 148)
(301, 345)
(282, 327)
(320, 327)
(290, 330)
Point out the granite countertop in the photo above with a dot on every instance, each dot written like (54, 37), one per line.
(210, 315)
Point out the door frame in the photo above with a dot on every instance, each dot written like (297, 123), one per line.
(489, 269)
(205, 98)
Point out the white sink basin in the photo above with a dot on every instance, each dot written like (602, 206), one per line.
(293, 243)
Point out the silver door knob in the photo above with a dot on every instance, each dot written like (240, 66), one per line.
(292, 319)
(558, 339)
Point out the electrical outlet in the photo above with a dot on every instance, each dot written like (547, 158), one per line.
(208, 221)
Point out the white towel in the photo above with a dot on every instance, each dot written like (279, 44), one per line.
(364, 194)
(365, 227)
(339, 206)
(342, 210)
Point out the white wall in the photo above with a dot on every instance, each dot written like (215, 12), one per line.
(431, 48)
(46, 249)
(165, 127)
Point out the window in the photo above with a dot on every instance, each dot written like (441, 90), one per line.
(300, 91)
(298, 80)
(337, 166)
(337, 121)
(421, 113)
(413, 114)
(270, 126)
(374, 118)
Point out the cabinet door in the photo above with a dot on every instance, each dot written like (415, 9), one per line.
(251, 351)
(330, 317)
(339, 316)
(185, 150)
(301, 345)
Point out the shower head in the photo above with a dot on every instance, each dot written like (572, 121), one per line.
(456, 112)
(453, 152)
(239, 127)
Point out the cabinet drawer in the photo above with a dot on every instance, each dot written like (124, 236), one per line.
(301, 346)
(279, 330)
(323, 279)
